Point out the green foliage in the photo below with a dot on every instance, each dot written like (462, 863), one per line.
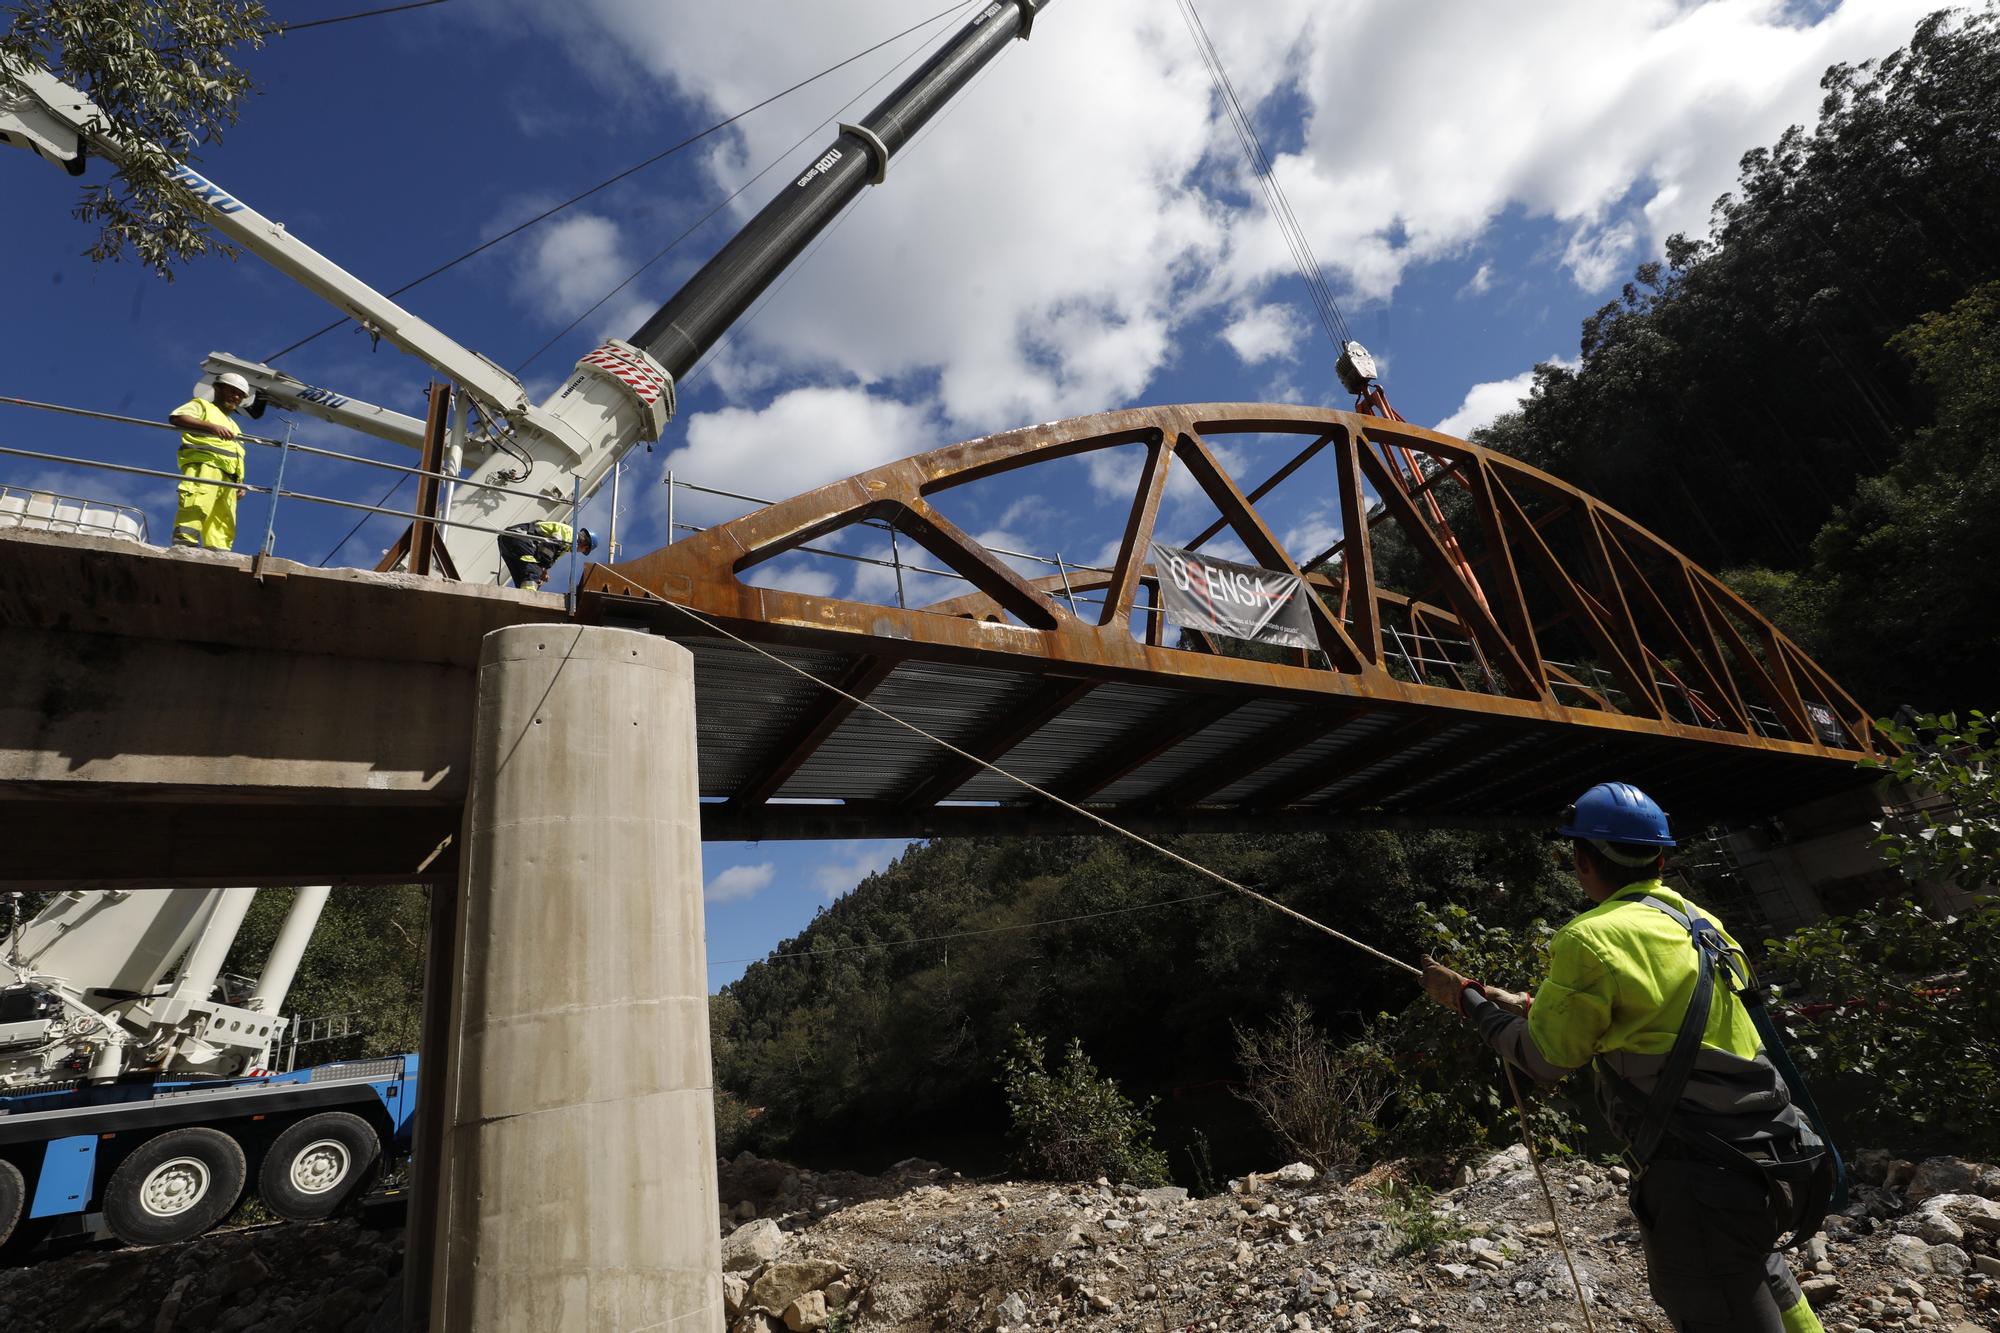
(366, 958)
(865, 1029)
(1452, 1097)
(1420, 1227)
(1809, 397)
(162, 73)
(1901, 587)
(1321, 1100)
(1912, 1006)
(1958, 841)
(1072, 1123)
(1201, 1167)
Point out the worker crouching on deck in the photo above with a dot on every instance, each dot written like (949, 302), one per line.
(532, 549)
(1650, 991)
(211, 454)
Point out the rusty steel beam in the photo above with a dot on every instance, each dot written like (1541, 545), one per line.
(860, 680)
(1049, 703)
(783, 822)
(1121, 761)
(1297, 789)
(1272, 746)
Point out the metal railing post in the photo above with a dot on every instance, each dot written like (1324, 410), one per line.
(277, 489)
(575, 556)
(611, 534)
(670, 506)
(896, 558)
(1068, 593)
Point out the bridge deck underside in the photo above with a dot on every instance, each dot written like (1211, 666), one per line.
(783, 757)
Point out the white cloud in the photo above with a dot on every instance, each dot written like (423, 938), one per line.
(1599, 256)
(574, 260)
(849, 863)
(739, 882)
(1040, 254)
(1265, 332)
(1480, 283)
(1485, 403)
(802, 439)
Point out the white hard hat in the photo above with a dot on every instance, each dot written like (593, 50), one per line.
(234, 381)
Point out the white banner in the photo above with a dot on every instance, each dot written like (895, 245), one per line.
(1242, 601)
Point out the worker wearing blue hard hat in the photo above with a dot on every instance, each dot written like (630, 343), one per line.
(1651, 992)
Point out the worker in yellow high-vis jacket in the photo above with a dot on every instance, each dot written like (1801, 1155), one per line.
(211, 452)
(531, 549)
(1651, 992)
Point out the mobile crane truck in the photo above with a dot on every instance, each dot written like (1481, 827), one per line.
(134, 1097)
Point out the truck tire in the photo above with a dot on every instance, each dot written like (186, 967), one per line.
(13, 1200)
(317, 1165)
(174, 1186)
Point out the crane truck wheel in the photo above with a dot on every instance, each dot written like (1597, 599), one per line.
(13, 1200)
(317, 1165)
(174, 1186)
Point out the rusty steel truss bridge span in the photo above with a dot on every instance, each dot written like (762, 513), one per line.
(1487, 641)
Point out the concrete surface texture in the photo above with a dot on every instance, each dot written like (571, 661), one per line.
(579, 1156)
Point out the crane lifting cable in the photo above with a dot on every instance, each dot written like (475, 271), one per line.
(1355, 366)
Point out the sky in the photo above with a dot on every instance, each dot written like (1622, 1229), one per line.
(1077, 232)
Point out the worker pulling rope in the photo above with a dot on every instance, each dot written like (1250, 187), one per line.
(1520, 1104)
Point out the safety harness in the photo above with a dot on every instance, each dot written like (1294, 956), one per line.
(1802, 1173)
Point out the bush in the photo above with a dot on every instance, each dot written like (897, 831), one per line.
(1451, 1095)
(1320, 1100)
(1074, 1124)
(1960, 841)
(1910, 1004)
(1413, 1212)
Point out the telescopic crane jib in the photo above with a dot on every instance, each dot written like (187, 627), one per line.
(620, 394)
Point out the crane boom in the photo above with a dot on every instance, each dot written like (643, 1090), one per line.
(619, 395)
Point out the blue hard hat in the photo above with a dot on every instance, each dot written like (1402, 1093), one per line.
(1617, 812)
(585, 541)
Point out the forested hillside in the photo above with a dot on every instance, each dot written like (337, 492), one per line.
(1808, 399)
(868, 1031)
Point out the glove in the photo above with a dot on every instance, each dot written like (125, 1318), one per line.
(1513, 1001)
(1446, 986)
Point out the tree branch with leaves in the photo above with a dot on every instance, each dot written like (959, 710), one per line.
(164, 75)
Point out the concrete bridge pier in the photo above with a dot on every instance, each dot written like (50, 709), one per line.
(577, 1159)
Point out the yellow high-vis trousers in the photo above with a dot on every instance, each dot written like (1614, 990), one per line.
(206, 514)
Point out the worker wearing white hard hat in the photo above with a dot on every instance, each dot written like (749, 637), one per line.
(211, 463)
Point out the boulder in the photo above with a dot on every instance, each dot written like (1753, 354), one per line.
(1931, 1228)
(807, 1311)
(1964, 1207)
(735, 1294)
(1166, 1196)
(752, 1244)
(1297, 1173)
(1950, 1259)
(1910, 1254)
(1942, 1175)
(784, 1281)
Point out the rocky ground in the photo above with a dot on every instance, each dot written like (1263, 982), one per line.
(919, 1250)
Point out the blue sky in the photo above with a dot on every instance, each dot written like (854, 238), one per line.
(1075, 234)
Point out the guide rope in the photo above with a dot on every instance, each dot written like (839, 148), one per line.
(1520, 1104)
